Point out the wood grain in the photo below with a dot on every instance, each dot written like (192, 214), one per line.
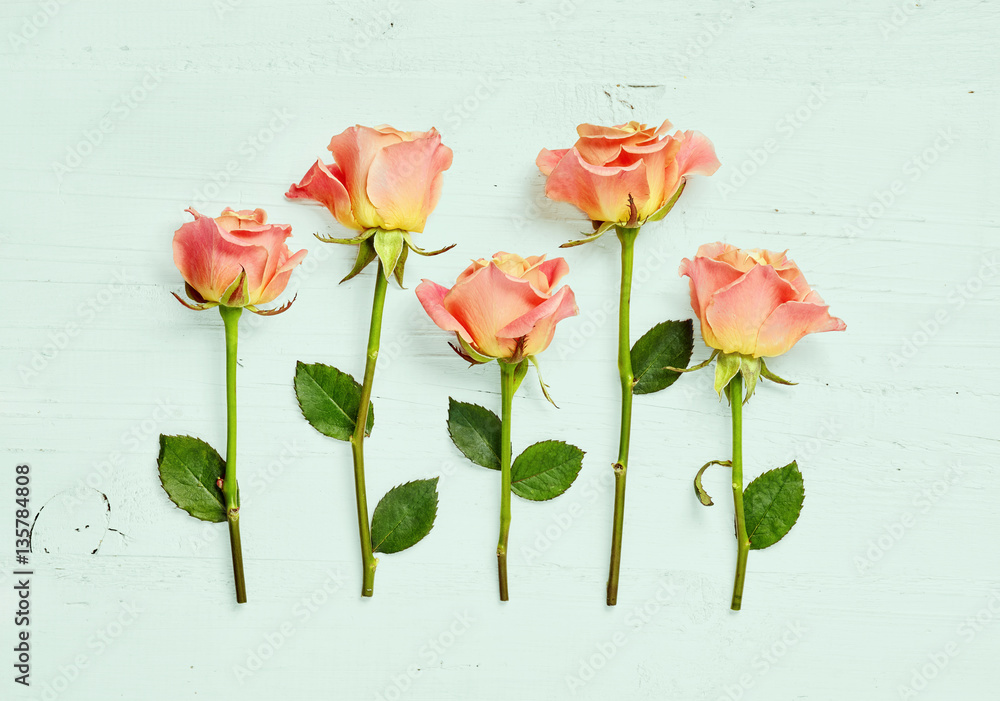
(821, 112)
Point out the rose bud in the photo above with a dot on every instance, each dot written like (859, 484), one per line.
(380, 178)
(752, 304)
(236, 259)
(502, 309)
(607, 165)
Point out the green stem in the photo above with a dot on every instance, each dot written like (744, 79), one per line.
(627, 238)
(368, 561)
(230, 487)
(742, 542)
(508, 384)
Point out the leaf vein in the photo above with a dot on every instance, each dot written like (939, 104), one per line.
(353, 421)
(770, 505)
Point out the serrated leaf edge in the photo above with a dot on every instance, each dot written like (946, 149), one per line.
(452, 436)
(371, 407)
(637, 377)
(437, 501)
(583, 454)
(801, 504)
(159, 473)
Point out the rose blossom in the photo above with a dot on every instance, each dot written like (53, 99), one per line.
(236, 259)
(753, 302)
(381, 178)
(504, 308)
(607, 164)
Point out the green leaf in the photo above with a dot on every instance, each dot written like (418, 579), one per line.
(476, 432)
(330, 400)
(668, 344)
(545, 470)
(404, 516)
(771, 505)
(189, 469)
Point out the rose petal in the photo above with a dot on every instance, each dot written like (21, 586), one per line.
(714, 250)
(790, 322)
(431, 296)
(279, 281)
(272, 240)
(601, 145)
(325, 184)
(553, 270)
(486, 302)
(706, 277)
(736, 313)
(473, 268)
(404, 182)
(696, 155)
(243, 219)
(661, 171)
(354, 149)
(547, 160)
(208, 261)
(599, 191)
(539, 324)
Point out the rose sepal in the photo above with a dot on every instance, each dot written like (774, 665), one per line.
(350, 241)
(602, 229)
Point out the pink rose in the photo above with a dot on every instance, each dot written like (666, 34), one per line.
(381, 178)
(504, 308)
(752, 302)
(236, 259)
(607, 164)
